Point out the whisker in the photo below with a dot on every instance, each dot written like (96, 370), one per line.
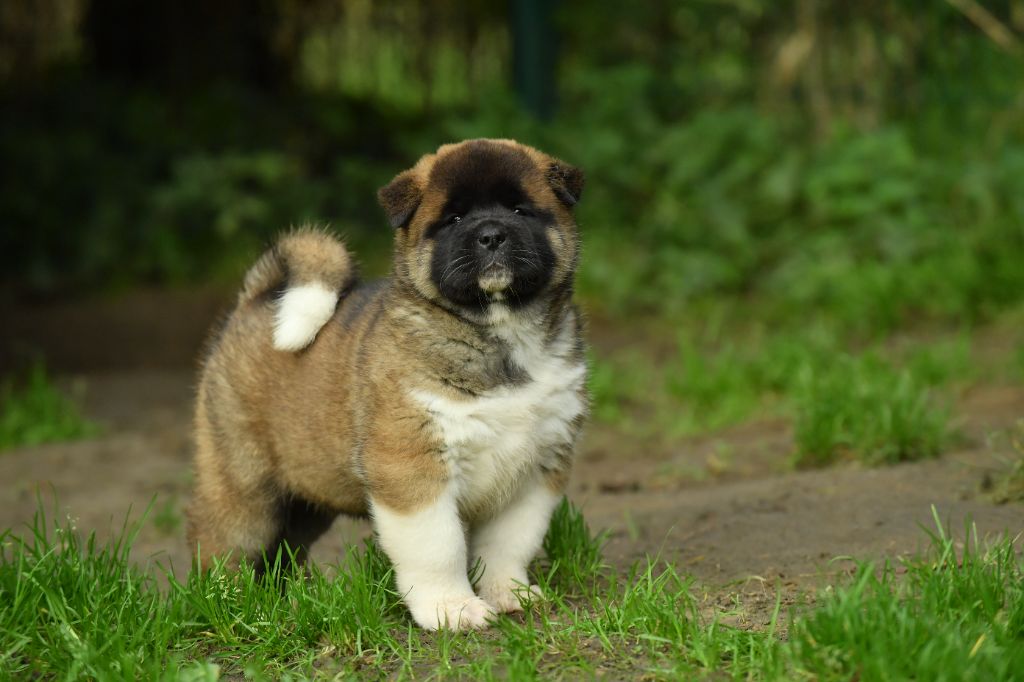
(453, 263)
(454, 272)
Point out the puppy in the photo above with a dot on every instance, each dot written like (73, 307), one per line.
(444, 401)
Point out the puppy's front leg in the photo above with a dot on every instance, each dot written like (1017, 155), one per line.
(508, 542)
(428, 549)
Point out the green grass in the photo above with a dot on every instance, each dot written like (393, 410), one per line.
(866, 408)
(619, 385)
(876, 404)
(73, 609)
(1008, 484)
(35, 411)
(957, 614)
(167, 516)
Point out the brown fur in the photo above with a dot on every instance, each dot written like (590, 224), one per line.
(285, 441)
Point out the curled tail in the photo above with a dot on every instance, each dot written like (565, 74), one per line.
(312, 269)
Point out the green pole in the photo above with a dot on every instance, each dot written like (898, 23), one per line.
(535, 55)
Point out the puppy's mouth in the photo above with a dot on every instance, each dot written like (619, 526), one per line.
(495, 279)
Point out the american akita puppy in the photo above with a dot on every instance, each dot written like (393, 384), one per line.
(443, 401)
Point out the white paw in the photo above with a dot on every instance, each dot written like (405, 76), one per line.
(508, 595)
(454, 613)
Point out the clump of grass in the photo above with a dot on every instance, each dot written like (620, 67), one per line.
(1011, 487)
(167, 517)
(35, 412)
(572, 553)
(618, 384)
(865, 408)
(74, 608)
(716, 381)
(1008, 486)
(939, 363)
(717, 389)
(607, 382)
(957, 614)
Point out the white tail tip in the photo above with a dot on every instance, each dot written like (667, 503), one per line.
(301, 313)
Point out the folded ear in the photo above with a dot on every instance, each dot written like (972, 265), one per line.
(566, 181)
(400, 199)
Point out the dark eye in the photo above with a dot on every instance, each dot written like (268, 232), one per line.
(522, 210)
(452, 219)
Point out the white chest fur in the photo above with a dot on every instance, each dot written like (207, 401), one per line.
(494, 439)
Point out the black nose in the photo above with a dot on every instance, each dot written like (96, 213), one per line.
(491, 237)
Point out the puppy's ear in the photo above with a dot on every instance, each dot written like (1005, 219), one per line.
(400, 198)
(566, 181)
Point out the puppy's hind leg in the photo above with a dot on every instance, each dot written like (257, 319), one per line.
(232, 527)
(224, 523)
(235, 511)
(303, 525)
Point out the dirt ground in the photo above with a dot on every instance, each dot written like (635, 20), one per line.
(726, 507)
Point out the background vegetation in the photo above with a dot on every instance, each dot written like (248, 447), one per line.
(866, 160)
(769, 182)
(34, 411)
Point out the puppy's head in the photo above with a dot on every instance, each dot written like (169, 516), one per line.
(483, 222)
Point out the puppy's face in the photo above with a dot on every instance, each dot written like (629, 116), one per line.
(484, 222)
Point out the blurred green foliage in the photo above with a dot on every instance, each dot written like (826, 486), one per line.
(34, 411)
(863, 161)
(119, 187)
(876, 404)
